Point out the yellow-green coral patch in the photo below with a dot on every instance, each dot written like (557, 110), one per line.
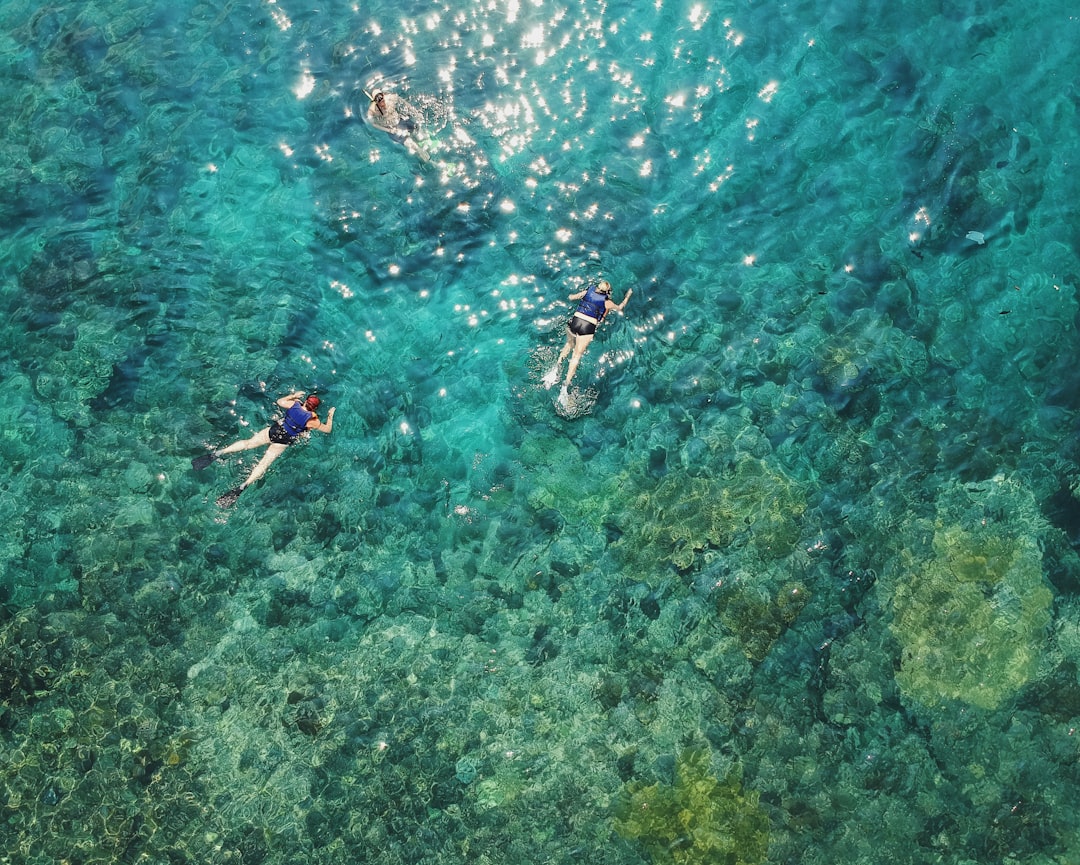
(972, 613)
(753, 503)
(696, 820)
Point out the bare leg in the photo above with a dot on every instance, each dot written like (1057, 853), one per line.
(552, 375)
(272, 453)
(567, 346)
(581, 345)
(260, 439)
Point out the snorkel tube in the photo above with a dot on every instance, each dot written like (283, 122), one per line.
(373, 98)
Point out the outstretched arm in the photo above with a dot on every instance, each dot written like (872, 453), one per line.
(327, 427)
(577, 295)
(619, 306)
(288, 400)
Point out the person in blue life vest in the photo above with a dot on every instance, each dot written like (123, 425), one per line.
(594, 303)
(300, 417)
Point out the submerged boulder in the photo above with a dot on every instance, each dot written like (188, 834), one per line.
(971, 609)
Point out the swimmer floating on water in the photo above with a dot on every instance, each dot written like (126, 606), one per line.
(595, 303)
(299, 418)
(397, 118)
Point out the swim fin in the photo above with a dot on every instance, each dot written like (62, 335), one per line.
(551, 377)
(199, 463)
(227, 500)
(564, 398)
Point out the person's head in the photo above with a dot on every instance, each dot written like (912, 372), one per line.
(311, 403)
(603, 286)
(380, 99)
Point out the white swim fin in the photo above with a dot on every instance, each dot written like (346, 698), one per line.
(551, 377)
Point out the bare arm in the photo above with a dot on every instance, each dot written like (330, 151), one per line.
(287, 401)
(579, 294)
(327, 427)
(619, 306)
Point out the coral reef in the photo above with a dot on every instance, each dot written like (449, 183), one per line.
(468, 628)
(697, 819)
(750, 503)
(972, 608)
(758, 620)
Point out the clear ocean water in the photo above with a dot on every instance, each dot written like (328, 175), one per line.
(793, 578)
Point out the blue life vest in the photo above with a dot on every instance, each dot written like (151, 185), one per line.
(594, 303)
(296, 419)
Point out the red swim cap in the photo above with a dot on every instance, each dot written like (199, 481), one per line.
(312, 401)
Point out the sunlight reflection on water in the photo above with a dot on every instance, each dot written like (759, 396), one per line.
(568, 142)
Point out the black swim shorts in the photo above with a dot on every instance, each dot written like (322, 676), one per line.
(278, 435)
(581, 327)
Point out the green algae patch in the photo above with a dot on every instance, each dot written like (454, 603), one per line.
(972, 613)
(750, 504)
(759, 620)
(558, 470)
(696, 820)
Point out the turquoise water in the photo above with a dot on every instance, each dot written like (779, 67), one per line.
(793, 579)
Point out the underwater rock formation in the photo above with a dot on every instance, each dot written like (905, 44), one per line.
(971, 611)
(752, 503)
(698, 819)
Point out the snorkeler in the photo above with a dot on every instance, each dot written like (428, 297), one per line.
(397, 118)
(300, 417)
(595, 303)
